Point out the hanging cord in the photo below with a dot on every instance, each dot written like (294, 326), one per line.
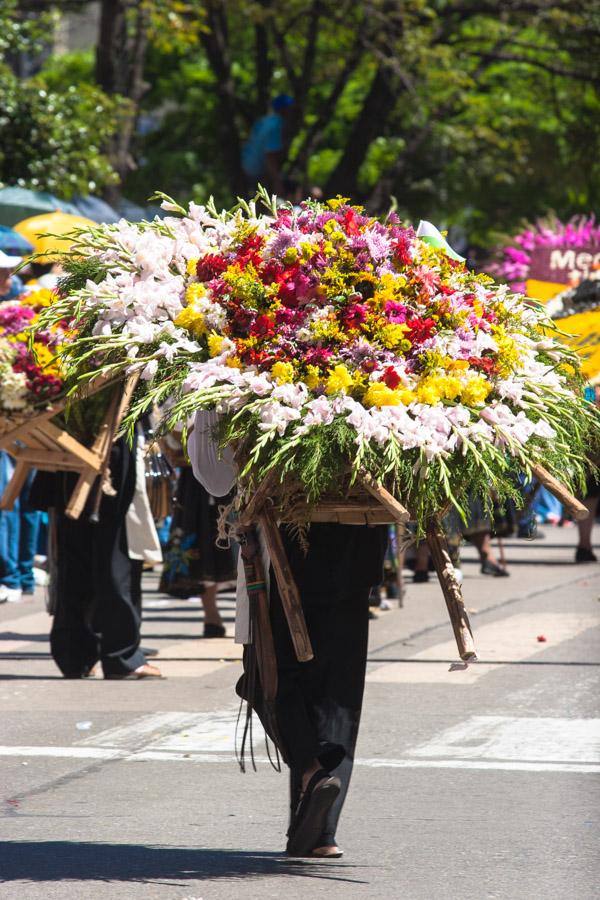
(257, 593)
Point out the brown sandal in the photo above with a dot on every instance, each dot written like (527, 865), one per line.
(307, 826)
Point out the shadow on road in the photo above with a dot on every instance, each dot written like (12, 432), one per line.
(82, 861)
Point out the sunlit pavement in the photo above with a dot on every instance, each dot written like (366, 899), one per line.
(480, 782)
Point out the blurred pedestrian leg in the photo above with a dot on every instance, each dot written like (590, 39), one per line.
(19, 528)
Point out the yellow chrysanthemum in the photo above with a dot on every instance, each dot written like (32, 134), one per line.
(405, 395)
(42, 354)
(191, 266)
(508, 354)
(456, 365)
(234, 362)
(338, 201)
(312, 378)
(192, 320)
(282, 372)
(39, 297)
(326, 329)
(290, 256)
(475, 391)
(379, 394)
(392, 335)
(194, 292)
(451, 387)
(339, 380)
(429, 391)
(215, 343)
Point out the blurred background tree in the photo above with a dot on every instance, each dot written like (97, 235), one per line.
(473, 113)
(54, 132)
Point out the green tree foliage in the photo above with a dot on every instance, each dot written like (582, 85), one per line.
(474, 112)
(52, 131)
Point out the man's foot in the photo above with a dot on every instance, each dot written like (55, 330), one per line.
(420, 576)
(585, 554)
(145, 671)
(320, 793)
(332, 852)
(10, 595)
(212, 630)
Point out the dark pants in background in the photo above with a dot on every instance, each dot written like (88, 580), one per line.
(97, 614)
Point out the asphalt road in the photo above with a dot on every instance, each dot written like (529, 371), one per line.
(479, 783)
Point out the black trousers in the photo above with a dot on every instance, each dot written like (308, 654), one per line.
(96, 616)
(318, 703)
(98, 597)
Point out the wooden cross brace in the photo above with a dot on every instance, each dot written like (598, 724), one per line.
(38, 443)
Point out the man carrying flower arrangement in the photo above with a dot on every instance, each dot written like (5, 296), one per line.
(318, 703)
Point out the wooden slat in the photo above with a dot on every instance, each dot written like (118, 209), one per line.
(14, 486)
(48, 460)
(71, 445)
(80, 494)
(577, 509)
(290, 597)
(459, 619)
(399, 512)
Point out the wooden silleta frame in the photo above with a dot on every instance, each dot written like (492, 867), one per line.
(371, 504)
(38, 443)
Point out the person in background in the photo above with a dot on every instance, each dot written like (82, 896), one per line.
(19, 528)
(143, 544)
(584, 552)
(11, 285)
(264, 153)
(194, 566)
(95, 585)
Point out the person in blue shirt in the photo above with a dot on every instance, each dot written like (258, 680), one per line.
(11, 285)
(263, 154)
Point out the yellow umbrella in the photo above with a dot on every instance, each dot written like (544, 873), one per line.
(53, 224)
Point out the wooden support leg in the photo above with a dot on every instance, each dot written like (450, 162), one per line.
(451, 589)
(577, 509)
(290, 597)
(15, 485)
(399, 565)
(80, 494)
(263, 637)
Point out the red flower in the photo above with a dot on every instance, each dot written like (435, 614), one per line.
(350, 223)
(249, 251)
(401, 248)
(270, 271)
(263, 326)
(317, 356)
(242, 320)
(210, 266)
(484, 363)
(391, 378)
(420, 330)
(354, 315)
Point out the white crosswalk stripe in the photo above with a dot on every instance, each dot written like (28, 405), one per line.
(503, 743)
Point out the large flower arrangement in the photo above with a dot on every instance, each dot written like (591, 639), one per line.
(330, 342)
(30, 373)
